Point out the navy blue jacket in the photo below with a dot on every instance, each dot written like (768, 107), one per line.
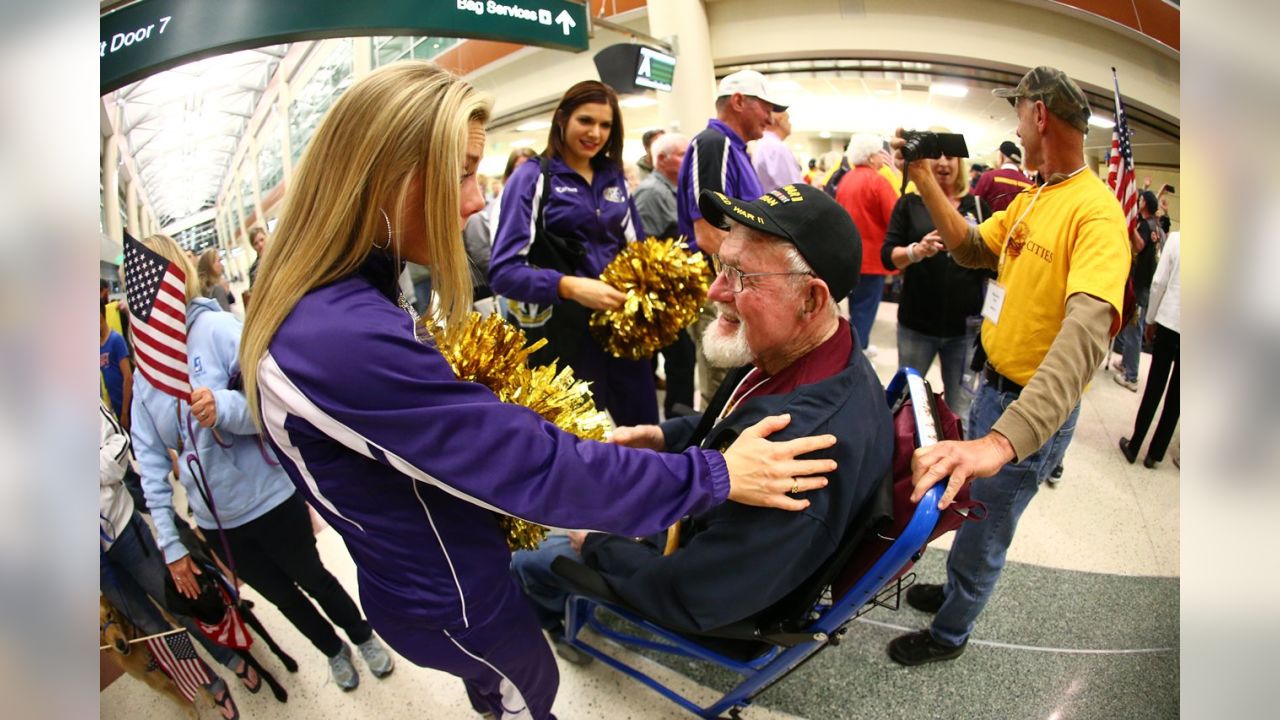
(735, 560)
(406, 462)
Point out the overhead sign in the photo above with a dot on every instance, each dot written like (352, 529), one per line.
(631, 68)
(150, 36)
(656, 69)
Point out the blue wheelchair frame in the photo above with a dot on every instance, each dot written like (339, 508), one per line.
(831, 622)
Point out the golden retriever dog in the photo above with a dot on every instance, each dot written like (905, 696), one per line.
(116, 631)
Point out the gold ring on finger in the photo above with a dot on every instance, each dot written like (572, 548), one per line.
(795, 485)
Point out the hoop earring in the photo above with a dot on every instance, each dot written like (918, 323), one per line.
(388, 221)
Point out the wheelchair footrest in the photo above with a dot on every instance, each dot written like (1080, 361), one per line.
(889, 597)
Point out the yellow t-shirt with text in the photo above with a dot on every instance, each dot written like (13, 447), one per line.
(1072, 239)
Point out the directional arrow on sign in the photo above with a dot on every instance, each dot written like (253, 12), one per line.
(566, 21)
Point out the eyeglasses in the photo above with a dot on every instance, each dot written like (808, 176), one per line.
(736, 279)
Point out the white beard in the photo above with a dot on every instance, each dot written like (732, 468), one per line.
(726, 350)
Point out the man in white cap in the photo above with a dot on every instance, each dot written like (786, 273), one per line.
(717, 160)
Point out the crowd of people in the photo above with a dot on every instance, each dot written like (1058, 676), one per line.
(773, 430)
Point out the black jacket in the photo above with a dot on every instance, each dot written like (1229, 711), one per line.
(735, 561)
(1144, 263)
(938, 295)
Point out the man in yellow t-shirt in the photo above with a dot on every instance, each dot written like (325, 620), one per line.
(1061, 253)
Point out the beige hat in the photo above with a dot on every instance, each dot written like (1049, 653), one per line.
(751, 83)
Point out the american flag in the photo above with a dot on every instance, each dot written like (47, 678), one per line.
(1120, 176)
(176, 655)
(157, 292)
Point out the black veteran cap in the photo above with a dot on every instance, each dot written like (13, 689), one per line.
(820, 229)
(1058, 92)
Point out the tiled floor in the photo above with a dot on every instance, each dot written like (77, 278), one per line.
(1084, 622)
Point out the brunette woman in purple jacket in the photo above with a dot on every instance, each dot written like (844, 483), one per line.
(560, 222)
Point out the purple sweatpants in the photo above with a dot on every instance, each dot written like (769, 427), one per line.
(505, 663)
(623, 387)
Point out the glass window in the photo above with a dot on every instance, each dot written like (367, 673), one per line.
(390, 49)
(246, 193)
(330, 79)
(270, 154)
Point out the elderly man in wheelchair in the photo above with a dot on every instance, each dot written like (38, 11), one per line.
(789, 257)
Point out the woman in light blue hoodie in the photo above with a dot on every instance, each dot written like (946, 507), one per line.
(267, 527)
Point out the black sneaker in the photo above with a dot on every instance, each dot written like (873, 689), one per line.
(925, 598)
(1130, 453)
(918, 648)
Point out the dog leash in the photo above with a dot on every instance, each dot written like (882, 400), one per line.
(196, 468)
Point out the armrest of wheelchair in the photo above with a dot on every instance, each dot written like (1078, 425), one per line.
(585, 581)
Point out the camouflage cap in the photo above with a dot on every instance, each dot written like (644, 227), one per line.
(1058, 92)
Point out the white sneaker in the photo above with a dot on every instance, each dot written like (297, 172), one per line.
(342, 671)
(871, 352)
(376, 657)
(1131, 385)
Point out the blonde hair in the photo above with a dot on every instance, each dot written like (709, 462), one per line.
(168, 248)
(204, 269)
(404, 121)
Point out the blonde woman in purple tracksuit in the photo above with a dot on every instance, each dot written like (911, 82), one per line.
(405, 461)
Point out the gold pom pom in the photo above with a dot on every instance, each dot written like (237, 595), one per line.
(665, 285)
(494, 353)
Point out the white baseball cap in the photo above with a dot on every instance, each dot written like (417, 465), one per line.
(750, 83)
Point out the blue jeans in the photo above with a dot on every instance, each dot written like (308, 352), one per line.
(546, 590)
(917, 350)
(132, 573)
(978, 553)
(863, 303)
(1129, 340)
(422, 296)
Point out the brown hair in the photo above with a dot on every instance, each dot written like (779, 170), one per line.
(526, 153)
(587, 91)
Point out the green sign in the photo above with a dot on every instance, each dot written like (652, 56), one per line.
(655, 70)
(154, 35)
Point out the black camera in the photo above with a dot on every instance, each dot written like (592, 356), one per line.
(922, 144)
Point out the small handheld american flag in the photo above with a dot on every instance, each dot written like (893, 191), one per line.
(157, 295)
(176, 655)
(1120, 175)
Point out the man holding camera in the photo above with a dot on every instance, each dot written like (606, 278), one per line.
(1062, 255)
